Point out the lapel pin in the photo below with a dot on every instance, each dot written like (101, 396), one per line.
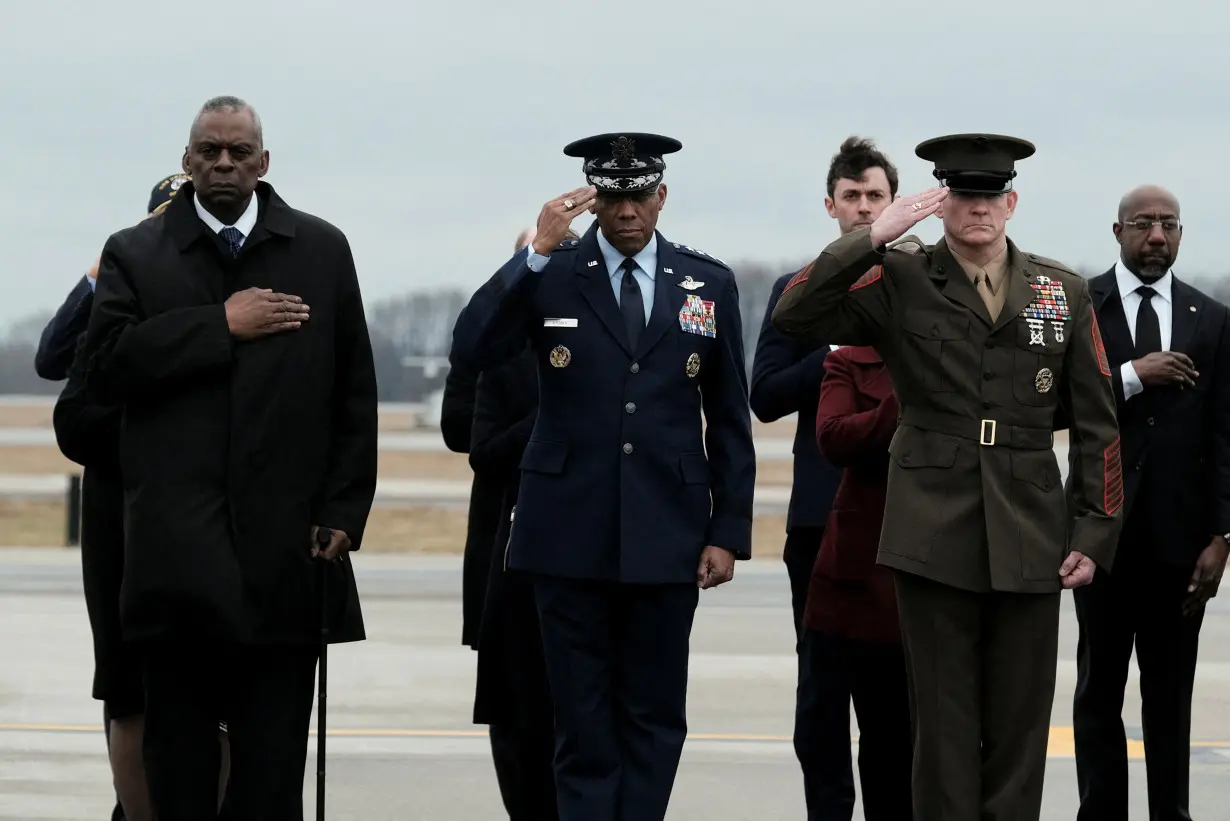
(592, 263)
(1191, 308)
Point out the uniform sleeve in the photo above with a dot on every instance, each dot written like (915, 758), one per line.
(1093, 439)
(728, 432)
(350, 484)
(844, 434)
(1219, 455)
(58, 343)
(495, 325)
(782, 380)
(843, 297)
(129, 354)
(86, 432)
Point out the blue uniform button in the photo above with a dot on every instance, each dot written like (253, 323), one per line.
(627, 447)
(631, 408)
(635, 368)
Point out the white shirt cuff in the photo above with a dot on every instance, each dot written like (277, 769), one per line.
(1131, 382)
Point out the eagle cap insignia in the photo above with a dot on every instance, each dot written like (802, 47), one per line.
(623, 149)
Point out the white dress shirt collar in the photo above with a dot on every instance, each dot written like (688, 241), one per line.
(245, 223)
(1129, 282)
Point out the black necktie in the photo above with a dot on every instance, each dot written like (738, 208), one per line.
(630, 303)
(1148, 331)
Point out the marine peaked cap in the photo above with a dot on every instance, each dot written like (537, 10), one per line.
(975, 163)
(624, 163)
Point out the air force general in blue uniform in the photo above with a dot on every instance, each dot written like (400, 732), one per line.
(628, 502)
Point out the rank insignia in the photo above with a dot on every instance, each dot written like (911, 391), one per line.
(1050, 301)
(696, 316)
(1044, 380)
(560, 356)
(1058, 327)
(689, 284)
(693, 366)
(1035, 332)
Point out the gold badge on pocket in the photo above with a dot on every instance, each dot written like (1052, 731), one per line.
(693, 366)
(560, 356)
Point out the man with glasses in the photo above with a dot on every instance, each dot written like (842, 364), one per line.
(1169, 350)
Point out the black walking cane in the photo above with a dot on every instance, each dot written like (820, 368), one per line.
(323, 536)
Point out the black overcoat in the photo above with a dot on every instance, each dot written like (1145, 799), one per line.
(232, 450)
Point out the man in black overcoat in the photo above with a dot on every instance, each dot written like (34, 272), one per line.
(231, 329)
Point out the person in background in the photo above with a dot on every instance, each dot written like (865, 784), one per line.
(786, 376)
(513, 695)
(88, 434)
(851, 615)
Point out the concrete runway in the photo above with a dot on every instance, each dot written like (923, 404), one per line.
(401, 744)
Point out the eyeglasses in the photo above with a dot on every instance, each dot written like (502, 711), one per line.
(1168, 225)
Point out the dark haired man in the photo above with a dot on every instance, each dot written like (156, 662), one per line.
(786, 376)
(249, 423)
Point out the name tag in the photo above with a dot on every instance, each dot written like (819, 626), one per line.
(559, 323)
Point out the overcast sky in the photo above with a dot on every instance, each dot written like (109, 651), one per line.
(431, 132)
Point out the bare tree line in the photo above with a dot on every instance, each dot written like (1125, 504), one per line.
(419, 323)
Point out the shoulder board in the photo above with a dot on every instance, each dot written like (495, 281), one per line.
(568, 244)
(1051, 263)
(909, 244)
(699, 254)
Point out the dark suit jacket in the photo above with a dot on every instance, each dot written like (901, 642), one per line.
(231, 451)
(509, 644)
(786, 375)
(1176, 442)
(640, 457)
(58, 343)
(456, 425)
(850, 595)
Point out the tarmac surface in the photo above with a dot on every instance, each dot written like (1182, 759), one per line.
(401, 745)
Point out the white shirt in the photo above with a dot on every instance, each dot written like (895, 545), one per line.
(245, 223)
(1162, 306)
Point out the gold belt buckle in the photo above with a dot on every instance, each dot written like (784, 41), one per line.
(986, 434)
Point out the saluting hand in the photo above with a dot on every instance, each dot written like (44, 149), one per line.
(717, 566)
(1077, 570)
(260, 311)
(904, 213)
(337, 544)
(557, 215)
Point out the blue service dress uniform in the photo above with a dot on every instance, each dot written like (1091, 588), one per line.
(623, 486)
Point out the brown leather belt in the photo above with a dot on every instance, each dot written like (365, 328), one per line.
(986, 432)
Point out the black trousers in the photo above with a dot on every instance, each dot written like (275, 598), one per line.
(264, 693)
(117, 813)
(523, 752)
(822, 699)
(981, 669)
(876, 677)
(617, 659)
(1139, 603)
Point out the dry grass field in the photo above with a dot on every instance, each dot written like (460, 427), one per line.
(392, 528)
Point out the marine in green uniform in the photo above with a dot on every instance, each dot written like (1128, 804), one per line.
(984, 342)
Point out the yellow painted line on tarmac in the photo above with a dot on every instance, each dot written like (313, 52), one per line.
(1061, 743)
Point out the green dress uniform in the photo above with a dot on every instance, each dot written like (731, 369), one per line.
(976, 523)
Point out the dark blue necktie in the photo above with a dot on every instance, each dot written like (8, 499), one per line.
(234, 239)
(631, 305)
